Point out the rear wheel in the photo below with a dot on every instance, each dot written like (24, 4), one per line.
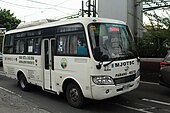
(24, 85)
(74, 95)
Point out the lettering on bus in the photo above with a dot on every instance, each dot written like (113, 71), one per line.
(26, 57)
(125, 73)
(10, 59)
(123, 64)
(107, 68)
(26, 60)
(121, 74)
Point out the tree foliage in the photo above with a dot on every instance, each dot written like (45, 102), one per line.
(156, 39)
(154, 43)
(8, 20)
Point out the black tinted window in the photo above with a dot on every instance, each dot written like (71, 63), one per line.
(8, 45)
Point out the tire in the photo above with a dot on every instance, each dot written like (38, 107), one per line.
(74, 95)
(24, 85)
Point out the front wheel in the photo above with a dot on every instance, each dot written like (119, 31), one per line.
(24, 85)
(74, 95)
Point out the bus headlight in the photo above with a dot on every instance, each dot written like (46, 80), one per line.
(103, 80)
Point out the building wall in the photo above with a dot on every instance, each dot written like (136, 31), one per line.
(126, 10)
(115, 9)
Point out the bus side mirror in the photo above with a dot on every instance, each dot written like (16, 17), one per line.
(97, 56)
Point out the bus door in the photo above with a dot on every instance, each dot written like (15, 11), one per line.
(49, 46)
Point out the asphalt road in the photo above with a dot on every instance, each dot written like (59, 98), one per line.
(147, 98)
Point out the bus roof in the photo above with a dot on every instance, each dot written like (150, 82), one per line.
(84, 20)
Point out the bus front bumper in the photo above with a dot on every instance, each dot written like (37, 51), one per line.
(100, 92)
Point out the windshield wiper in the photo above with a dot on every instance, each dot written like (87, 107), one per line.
(120, 58)
(112, 59)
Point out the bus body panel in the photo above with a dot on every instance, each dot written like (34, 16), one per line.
(78, 68)
(66, 68)
(111, 90)
(120, 72)
(29, 65)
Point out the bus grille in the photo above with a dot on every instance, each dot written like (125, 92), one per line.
(124, 79)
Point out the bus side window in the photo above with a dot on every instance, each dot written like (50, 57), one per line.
(16, 46)
(73, 45)
(78, 44)
(81, 45)
(30, 45)
(22, 46)
(19, 46)
(37, 45)
(33, 45)
(8, 45)
(62, 45)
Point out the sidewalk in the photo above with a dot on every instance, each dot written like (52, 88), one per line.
(12, 103)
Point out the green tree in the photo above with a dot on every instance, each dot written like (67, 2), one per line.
(156, 40)
(155, 43)
(8, 20)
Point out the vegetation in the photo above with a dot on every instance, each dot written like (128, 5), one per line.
(156, 39)
(8, 20)
(155, 43)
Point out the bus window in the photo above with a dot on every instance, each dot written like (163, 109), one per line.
(46, 54)
(8, 45)
(19, 45)
(71, 40)
(37, 45)
(33, 45)
(113, 40)
(30, 45)
(81, 45)
(22, 46)
(72, 44)
(62, 45)
(52, 52)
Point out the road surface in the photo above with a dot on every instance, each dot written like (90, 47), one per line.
(147, 98)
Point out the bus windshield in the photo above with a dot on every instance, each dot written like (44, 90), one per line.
(111, 42)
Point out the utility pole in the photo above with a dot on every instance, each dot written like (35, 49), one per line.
(82, 9)
(91, 8)
(94, 8)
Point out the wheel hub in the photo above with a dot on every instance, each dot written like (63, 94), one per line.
(74, 95)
